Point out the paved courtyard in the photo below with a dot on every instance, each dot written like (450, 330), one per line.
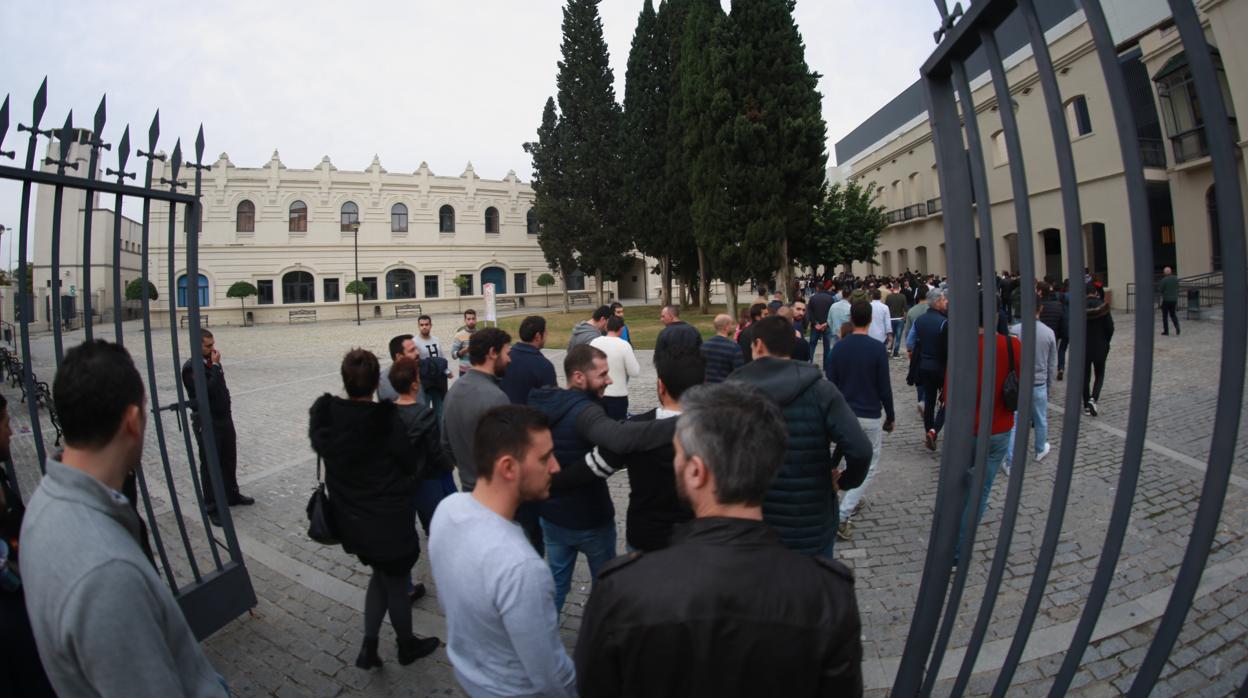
(302, 637)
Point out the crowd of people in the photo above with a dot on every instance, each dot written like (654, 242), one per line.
(766, 437)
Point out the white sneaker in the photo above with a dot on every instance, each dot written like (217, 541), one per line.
(920, 410)
(1005, 466)
(1043, 452)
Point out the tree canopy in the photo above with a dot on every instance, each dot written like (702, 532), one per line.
(134, 290)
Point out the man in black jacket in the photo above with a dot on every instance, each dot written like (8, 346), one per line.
(224, 436)
(528, 369)
(677, 333)
(1100, 334)
(727, 609)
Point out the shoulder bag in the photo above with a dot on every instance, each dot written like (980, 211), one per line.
(1009, 387)
(320, 516)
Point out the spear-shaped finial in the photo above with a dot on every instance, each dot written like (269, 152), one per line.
(41, 103)
(199, 144)
(123, 154)
(66, 136)
(101, 114)
(947, 19)
(4, 127)
(153, 132)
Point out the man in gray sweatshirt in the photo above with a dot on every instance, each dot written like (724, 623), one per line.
(1046, 369)
(472, 395)
(593, 328)
(104, 622)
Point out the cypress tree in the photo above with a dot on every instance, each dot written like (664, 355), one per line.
(589, 133)
(557, 224)
(778, 135)
(682, 250)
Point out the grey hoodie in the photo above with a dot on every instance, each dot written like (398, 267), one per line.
(104, 622)
(583, 333)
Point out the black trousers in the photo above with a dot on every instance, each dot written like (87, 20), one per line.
(1093, 364)
(1168, 314)
(227, 454)
(933, 382)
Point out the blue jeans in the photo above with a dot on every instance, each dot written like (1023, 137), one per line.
(433, 401)
(898, 340)
(826, 336)
(429, 492)
(562, 545)
(1039, 421)
(997, 446)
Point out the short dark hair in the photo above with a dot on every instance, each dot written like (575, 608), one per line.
(776, 333)
(532, 326)
(424, 317)
(875, 293)
(616, 305)
(469, 311)
(603, 311)
(96, 383)
(615, 323)
(581, 358)
(360, 373)
(403, 373)
(920, 293)
(756, 310)
(680, 369)
(396, 344)
(860, 313)
(505, 430)
(205, 332)
(483, 340)
(739, 433)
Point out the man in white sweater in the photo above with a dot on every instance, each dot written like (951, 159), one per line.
(497, 594)
(621, 367)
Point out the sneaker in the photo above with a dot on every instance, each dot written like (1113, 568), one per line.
(1061, 373)
(416, 593)
(1005, 466)
(1092, 409)
(843, 531)
(920, 410)
(1043, 452)
(930, 440)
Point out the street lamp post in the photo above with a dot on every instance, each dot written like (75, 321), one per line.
(355, 230)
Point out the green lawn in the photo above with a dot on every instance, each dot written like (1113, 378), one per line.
(643, 324)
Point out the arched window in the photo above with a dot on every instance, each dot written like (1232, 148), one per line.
(398, 218)
(446, 219)
(1078, 121)
(350, 216)
(400, 283)
(1000, 156)
(530, 221)
(202, 291)
(297, 287)
(245, 218)
(298, 217)
(496, 276)
(491, 221)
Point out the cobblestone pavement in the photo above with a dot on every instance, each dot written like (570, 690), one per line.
(302, 637)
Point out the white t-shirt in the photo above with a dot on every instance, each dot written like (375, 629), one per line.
(499, 600)
(881, 323)
(621, 364)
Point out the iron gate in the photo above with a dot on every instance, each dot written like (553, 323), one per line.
(212, 587)
(963, 180)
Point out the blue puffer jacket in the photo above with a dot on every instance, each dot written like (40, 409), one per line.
(585, 502)
(801, 504)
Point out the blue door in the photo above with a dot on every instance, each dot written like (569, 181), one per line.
(496, 276)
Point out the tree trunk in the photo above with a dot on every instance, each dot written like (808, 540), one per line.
(242, 305)
(785, 274)
(665, 267)
(704, 284)
(731, 298)
(598, 280)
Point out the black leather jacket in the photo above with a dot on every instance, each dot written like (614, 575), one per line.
(727, 610)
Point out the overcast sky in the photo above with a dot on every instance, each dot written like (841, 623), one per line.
(443, 81)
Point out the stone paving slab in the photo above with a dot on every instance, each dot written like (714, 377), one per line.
(302, 638)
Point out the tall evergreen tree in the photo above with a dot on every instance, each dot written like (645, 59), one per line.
(682, 254)
(589, 140)
(643, 140)
(558, 224)
(778, 134)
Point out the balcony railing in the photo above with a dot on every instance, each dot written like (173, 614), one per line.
(1153, 152)
(915, 211)
(933, 206)
(1192, 144)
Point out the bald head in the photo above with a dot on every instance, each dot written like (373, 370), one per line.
(724, 325)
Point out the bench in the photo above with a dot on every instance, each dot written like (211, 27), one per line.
(186, 319)
(408, 310)
(579, 298)
(509, 303)
(305, 315)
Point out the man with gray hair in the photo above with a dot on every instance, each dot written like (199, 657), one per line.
(714, 593)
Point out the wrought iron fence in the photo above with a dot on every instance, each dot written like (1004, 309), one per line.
(212, 591)
(963, 180)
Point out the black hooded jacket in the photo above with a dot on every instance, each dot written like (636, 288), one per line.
(370, 475)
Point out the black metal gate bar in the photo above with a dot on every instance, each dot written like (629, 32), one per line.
(1234, 334)
(96, 142)
(1142, 369)
(123, 154)
(27, 301)
(1076, 368)
(197, 367)
(951, 494)
(1026, 249)
(66, 138)
(969, 518)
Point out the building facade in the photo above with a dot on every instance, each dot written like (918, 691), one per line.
(893, 150)
(297, 235)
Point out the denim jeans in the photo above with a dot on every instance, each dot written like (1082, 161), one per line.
(874, 429)
(826, 336)
(562, 545)
(433, 401)
(997, 444)
(1039, 421)
(429, 492)
(898, 340)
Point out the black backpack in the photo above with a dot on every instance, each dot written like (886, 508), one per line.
(433, 374)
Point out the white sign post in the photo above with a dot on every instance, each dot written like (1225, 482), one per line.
(491, 312)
